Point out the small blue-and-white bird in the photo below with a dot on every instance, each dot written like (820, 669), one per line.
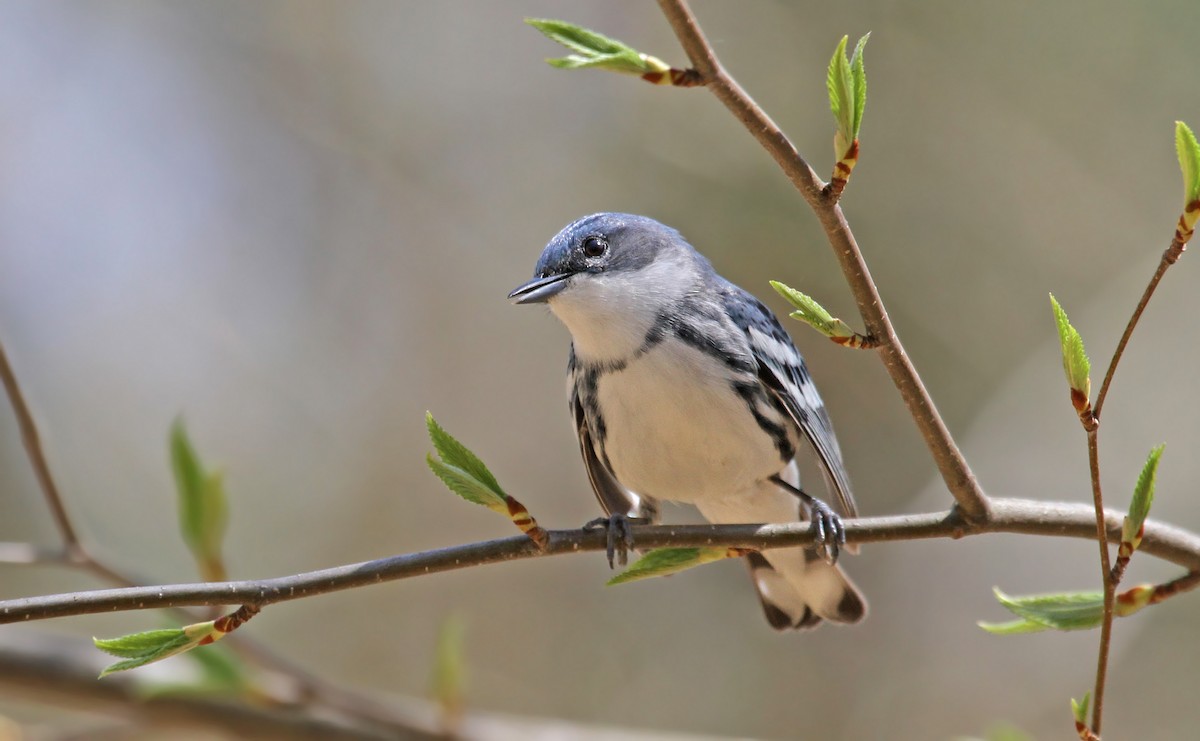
(685, 387)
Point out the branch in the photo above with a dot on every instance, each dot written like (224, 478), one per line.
(949, 459)
(1169, 257)
(37, 457)
(1008, 516)
(1106, 576)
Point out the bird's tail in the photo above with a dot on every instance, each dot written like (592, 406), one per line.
(802, 598)
(797, 588)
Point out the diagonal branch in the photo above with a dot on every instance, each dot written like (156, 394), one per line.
(37, 456)
(1169, 257)
(949, 459)
(1008, 516)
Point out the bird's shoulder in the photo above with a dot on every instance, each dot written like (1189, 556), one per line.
(769, 340)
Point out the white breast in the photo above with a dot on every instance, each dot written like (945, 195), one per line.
(676, 430)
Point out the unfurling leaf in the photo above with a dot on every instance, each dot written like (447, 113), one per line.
(466, 475)
(1189, 162)
(465, 485)
(203, 511)
(815, 315)
(1066, 611)
(1075, 360)
(664, 561)
(1080, 709)
(456, 454)
(595, 50)
(139, 649)
(1139, 506)
(858, 73)
(846, 82)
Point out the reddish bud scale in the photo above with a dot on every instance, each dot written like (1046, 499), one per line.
(1085, 733)
(676, 77)
(857, 341)
(523, 520)
(1174, 587)
(842, 170)
(234, 620)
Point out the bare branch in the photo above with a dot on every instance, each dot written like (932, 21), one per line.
(1106, 577)
(37, 456)
(1008, 516)
(1169, 257)
(949, 459)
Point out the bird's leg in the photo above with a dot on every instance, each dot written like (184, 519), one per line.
(830, 534)
(620, 535)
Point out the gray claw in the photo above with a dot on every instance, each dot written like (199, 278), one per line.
(620, 537)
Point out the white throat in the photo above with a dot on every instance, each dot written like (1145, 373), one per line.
(609, 314)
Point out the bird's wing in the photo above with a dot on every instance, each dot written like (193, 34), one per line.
(614, 498)
(783, 373)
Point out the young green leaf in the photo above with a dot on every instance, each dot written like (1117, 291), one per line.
(858, 74)
(840, 84)
(812, 313)
(846, 82)
(1075, 360)
(203, 511)
(467, 476)
(1013, 627)
(456, 454)
(139, 649)
(595, 50)
(1189, 162)
(1139, 506)
(1067, 611)
(1079, 710)
(465, 485)
(664, 561)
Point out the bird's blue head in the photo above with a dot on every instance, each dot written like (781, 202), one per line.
(611, 277)
(604, 244)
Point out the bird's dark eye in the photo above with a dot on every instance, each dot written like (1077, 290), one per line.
(595, 246)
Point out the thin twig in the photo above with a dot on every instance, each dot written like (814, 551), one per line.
(1110, 586)
(1008, 516)
(949, 459)
(37, 456)
(1169, 257)
(1091, 421)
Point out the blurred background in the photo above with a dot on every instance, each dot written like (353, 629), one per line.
(295, 224)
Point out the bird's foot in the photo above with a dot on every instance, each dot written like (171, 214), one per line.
(620, 536)
(829, 535)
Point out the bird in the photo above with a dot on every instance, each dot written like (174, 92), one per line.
(684, 387)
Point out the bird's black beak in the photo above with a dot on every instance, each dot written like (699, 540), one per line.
(539, 290)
